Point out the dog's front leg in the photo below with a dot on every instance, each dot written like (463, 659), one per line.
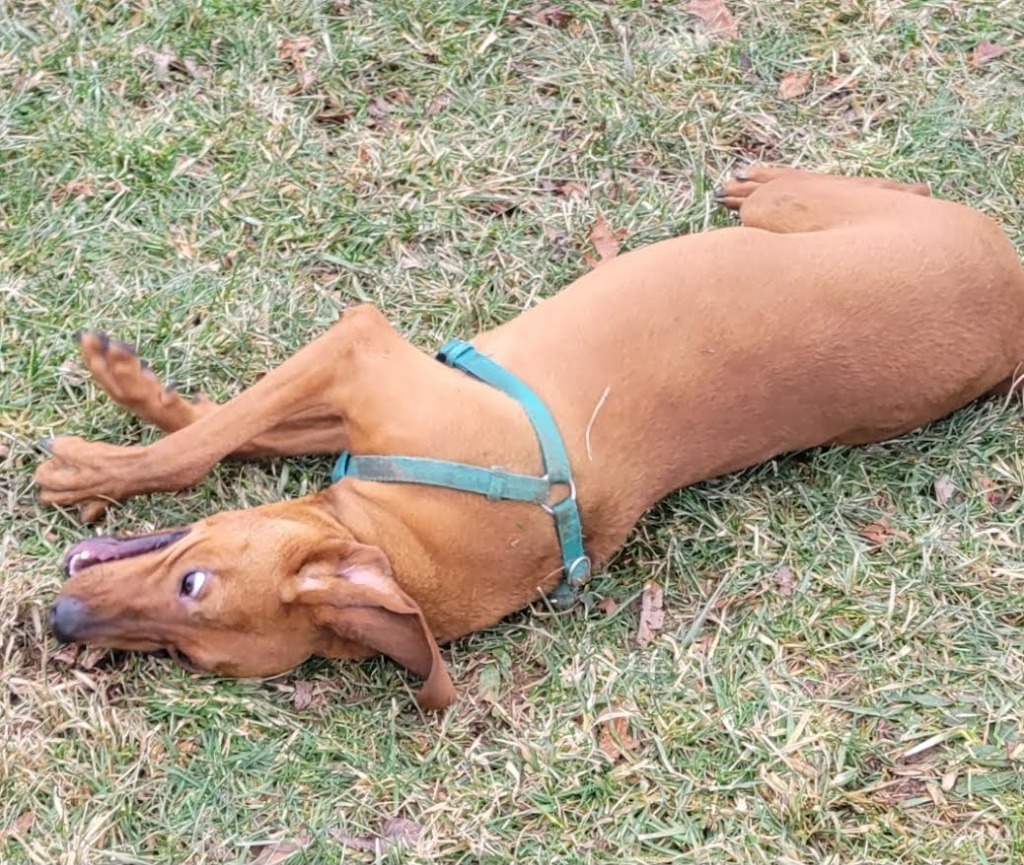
(319, 379)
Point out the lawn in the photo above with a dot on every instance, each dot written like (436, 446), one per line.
(840, 676)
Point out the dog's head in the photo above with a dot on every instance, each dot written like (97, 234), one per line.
(248, 593)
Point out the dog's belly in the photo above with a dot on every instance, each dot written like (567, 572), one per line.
(709, 353)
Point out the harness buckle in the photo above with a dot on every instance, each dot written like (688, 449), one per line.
(341, 466)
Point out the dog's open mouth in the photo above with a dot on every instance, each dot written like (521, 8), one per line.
(94, 551)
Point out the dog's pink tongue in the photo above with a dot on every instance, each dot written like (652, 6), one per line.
(92, 551)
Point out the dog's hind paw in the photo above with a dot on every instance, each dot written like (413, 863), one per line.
(746, 180)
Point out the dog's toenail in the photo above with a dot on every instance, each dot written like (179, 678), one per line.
(78, 336)
(45, 444)
(741, 174)
(126, 347)
(719, 192)
(104, 340)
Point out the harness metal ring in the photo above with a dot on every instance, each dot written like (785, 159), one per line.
(571, 497)
(571, 576)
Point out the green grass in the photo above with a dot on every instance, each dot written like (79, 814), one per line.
(873, 716)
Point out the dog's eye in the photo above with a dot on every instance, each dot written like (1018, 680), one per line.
(192, 584)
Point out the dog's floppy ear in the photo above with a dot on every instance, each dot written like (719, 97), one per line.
(351, 591)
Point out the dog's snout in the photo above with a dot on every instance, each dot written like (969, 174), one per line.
(66, 619)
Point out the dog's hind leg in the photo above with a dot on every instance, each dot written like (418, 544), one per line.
(788, 200)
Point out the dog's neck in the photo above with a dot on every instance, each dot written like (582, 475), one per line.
(449, 570)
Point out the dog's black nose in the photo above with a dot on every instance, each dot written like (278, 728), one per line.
(66, 619)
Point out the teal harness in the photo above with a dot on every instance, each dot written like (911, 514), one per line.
(495, 483)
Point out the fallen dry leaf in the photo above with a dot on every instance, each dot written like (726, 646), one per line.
(194, 69)
(437, 105)
(355, 842)
(334, 117)
(877, 534)
(73, 373)
(572, 189)
(394, 830)
(794, 84)
(986, 51)
(623, 190)
(401, 830)
(162, 61)
(90, 658)
(605, 241)
(842, 83)
(20, 825)
(399, 96)
(190, 166)
(165, 61)
(553, 16)
(702, 645)
(786, 582)
(652, 616)
(944, 490)
(292, 51)
(613, 737)
(995, 495)
(25, 83)
(73, 188)
(378, 108)
(307, 79)
(554, 236)
(182, 243)
(67, 654)
(302, 698)
(500, 206)
(276, 852)
(718, 20)
(227, 260)
(184, 750)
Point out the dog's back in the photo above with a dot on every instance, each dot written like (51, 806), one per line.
(712, 352)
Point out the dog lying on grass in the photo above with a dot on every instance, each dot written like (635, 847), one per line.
(844, 311)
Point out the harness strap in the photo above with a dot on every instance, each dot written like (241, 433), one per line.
(462, 355)
(495, 483)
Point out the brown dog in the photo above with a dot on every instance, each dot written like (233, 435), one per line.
(844, 311)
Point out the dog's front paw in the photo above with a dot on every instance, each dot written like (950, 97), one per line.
(88, 473)
(132, 384)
